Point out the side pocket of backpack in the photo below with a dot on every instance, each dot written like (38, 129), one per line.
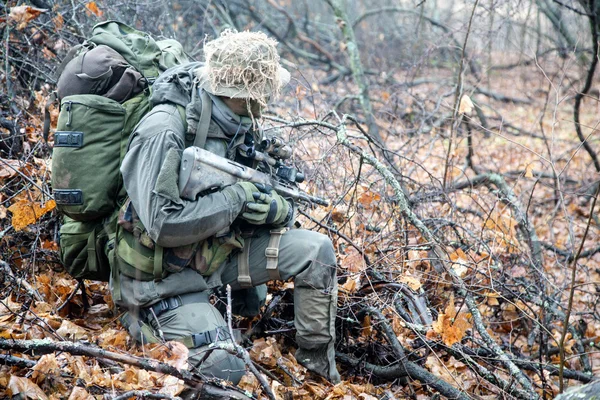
(82, 249)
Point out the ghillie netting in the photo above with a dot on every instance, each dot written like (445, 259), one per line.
(244, 64)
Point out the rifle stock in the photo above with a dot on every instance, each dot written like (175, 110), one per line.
(202, 171)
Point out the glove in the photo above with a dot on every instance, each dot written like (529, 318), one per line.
(263, 206)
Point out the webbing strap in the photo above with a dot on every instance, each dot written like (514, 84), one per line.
(204, 123)
(158, 261)
(91, 250)
(244, 278)
(207, 337)
(114, 270)
(272, 253)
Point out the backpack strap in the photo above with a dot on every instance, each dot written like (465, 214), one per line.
(204, 123)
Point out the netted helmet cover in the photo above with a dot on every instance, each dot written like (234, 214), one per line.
(245, 64)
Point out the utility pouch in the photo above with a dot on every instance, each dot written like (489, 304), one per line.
(214, 251)
(82, 248)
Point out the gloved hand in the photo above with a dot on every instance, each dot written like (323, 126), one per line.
(262, 206)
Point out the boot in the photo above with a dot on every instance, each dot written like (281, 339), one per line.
(321, 361)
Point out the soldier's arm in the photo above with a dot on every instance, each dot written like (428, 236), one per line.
(150, 173)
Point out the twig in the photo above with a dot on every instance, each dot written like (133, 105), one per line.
(568, 7)
(71, 295)
(332, 230)
(22, 282)
(457, 96)
(28, 179)
(580, 95)
(243, 354)
(563, 336)
(356, 66)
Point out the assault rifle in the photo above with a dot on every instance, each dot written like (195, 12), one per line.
(202, 171)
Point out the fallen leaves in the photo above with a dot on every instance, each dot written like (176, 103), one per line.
(28, 212)
(93, 8)
(265, 351)
(411, 281)
(25, 388)
(46, 364)
(9, 168)
(451, 325)
(22, 15)
(71, 331)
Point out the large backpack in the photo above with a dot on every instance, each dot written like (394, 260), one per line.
(104, 90)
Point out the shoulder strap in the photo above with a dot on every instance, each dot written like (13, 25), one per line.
(204, 123)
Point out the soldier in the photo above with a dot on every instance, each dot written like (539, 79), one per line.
(170, 254)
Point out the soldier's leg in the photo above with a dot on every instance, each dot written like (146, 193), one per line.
(309, 258)
(192, 318)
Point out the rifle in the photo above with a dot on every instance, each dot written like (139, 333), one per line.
(203, 171)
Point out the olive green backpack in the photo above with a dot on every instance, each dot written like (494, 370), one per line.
(106, 83)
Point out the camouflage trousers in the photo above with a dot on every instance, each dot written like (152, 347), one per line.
(307, 257)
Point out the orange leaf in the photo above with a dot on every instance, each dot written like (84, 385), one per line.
(79, 393)
(367, 330)
(367, 199)
(93, 8)
(26, 213)
(529, 171)
(59, 21)
(450, 325)
(350, 286)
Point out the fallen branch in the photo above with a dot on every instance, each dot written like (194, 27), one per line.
(46, 346)
(407, 369)
(6, 359)
(501, 97)
(144, 394)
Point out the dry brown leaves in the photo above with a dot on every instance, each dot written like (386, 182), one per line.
(25, 213)
(451, 325)
(22, 15)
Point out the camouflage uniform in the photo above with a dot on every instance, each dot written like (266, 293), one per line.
(176, 304)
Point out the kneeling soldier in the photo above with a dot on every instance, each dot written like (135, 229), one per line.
(170, 253)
